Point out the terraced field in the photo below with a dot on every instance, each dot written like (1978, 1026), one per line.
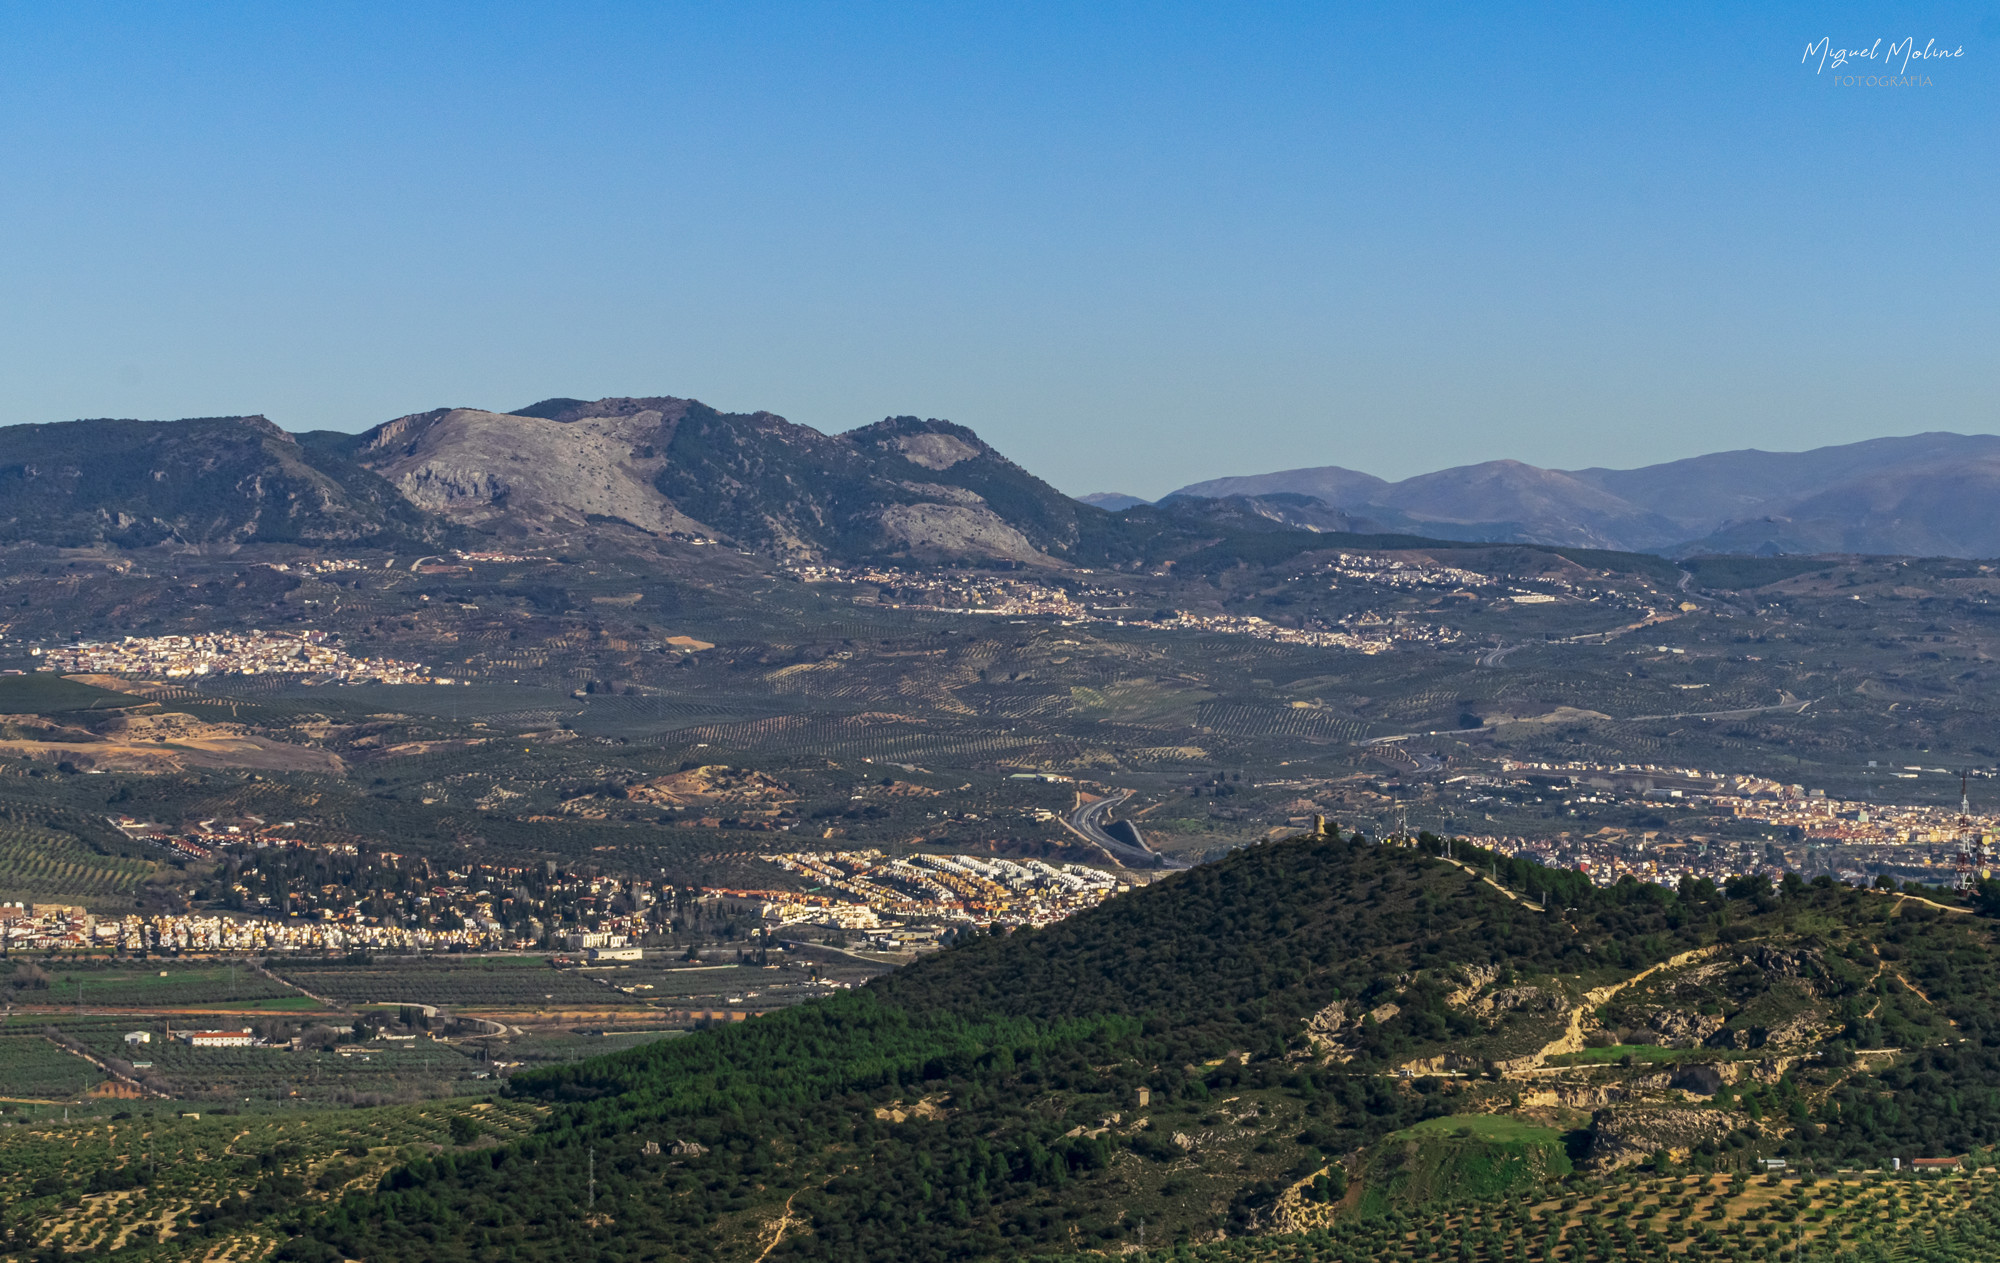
(41, 865)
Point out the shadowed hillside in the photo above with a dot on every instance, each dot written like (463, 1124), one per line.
(1239, 1048)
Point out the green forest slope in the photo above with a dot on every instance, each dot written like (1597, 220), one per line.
(1310, 1033)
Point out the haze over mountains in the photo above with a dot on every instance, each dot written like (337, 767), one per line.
(924, 490)
(1933, 494)
(654, 467)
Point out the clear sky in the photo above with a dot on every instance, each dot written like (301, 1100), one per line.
(1132, 245)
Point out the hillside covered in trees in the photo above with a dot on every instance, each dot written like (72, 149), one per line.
(1309, 1032)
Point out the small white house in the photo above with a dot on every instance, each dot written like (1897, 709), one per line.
(138, 1037)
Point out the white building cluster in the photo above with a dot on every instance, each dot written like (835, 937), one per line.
(951, 593)
(1002, 596)
(311, 654)
(936, 887)
(224, 934)
(1373, 640)
(47, 927)
(1392, 572)
(320, 565)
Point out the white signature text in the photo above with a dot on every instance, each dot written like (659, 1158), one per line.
(1906, 47)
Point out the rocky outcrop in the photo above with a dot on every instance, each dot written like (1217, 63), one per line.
(957, 530)
(1678, 1028)
(1503, 1000)
(1331, 1031)
(530, 475)
(904, 487)
(1785, 962)
(1697, 1079)
(1301, 1208)
(1581, 1017)
(934, 451)
(1801, 1030)
(1324, 1030)
(1622, 1135)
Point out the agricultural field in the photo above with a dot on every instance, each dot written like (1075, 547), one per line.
(355, 1073)
(45, 866)
(41, 694)
(380, 1044)
(162, 984)
(553, 1047)
(153, 1177)
(748, 986)
(505, 982)
(332, 1063)
(1649, 1219)
(35, 1068)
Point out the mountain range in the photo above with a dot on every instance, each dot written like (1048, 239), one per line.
(1931, 494)
(658, 468)
(647, 468)
(207, 482)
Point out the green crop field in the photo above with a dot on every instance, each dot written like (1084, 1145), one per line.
(168, 984)
(503, 981)
(40, 693)
(561, 1046)
(414, 1070)
(33, 1068)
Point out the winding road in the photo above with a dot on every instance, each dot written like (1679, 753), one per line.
(1088, 822)
(1494, 657)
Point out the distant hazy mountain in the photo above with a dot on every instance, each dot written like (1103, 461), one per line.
(1330, 483)
(922, 490)
(901, 487)
(1111, 501)
(1936, 494)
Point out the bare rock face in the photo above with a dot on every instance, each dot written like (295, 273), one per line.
(934, 451)
(903, 487)
(1679, 1028)
(1780, 962)
(957, 529)
(1623, 1135)
(1697, 1080)
(529, 473)
(1801, 1030)
(1324, 1027)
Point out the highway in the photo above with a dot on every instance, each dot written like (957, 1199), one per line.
(1088, 821)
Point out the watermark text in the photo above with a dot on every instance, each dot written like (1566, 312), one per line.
(1832, 58)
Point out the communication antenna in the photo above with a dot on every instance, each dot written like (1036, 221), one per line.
(593, 1179)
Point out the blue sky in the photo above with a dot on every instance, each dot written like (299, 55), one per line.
(1134, 246)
